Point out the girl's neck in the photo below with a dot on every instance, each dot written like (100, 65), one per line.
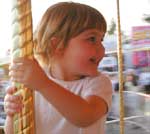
(58, 72)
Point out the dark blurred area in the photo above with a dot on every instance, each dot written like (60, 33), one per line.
(4, 82)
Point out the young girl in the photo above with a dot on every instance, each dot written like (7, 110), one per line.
(71, 96)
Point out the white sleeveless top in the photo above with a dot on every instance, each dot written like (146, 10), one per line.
(50, 121)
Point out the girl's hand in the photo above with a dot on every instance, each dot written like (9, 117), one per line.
(28, 72)
(12, 103)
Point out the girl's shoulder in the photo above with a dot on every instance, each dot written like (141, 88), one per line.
(100, 77)
(99, 85)
(100, 80)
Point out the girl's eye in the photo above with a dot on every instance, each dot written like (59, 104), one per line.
(92, 39)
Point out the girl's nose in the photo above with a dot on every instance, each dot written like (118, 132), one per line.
(100, 49)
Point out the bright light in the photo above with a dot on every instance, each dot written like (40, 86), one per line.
(131, 12)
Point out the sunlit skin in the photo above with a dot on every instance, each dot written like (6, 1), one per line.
(79, 59)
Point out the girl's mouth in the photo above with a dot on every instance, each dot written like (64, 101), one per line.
(94, 60)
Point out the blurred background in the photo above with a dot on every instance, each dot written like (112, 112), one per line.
(135, 29)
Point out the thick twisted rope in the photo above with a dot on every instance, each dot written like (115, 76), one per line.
(120, 69)
(22, 45)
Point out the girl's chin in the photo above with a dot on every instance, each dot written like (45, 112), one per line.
(92, 73)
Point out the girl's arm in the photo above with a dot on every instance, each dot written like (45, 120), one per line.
(8, 128)
(12, 105)
(79, 111)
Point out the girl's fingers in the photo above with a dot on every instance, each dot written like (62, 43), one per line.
(18, 77)
(11, 112)
(22, 60)
(11, 90)
(16, 74)
(19, 60)
(12, 104)
(16, 67)
(13, 98)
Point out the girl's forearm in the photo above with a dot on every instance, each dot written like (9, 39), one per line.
(72, 107)
(8, 128)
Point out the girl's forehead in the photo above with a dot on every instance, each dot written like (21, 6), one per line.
(93, 31)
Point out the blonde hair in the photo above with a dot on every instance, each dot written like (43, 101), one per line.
(64, 20)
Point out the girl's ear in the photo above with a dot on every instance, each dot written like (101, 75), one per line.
(54, 42)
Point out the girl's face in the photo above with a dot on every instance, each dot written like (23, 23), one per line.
(83, 54)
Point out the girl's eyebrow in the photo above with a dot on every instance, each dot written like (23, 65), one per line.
(92, 33)
(96, 33)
